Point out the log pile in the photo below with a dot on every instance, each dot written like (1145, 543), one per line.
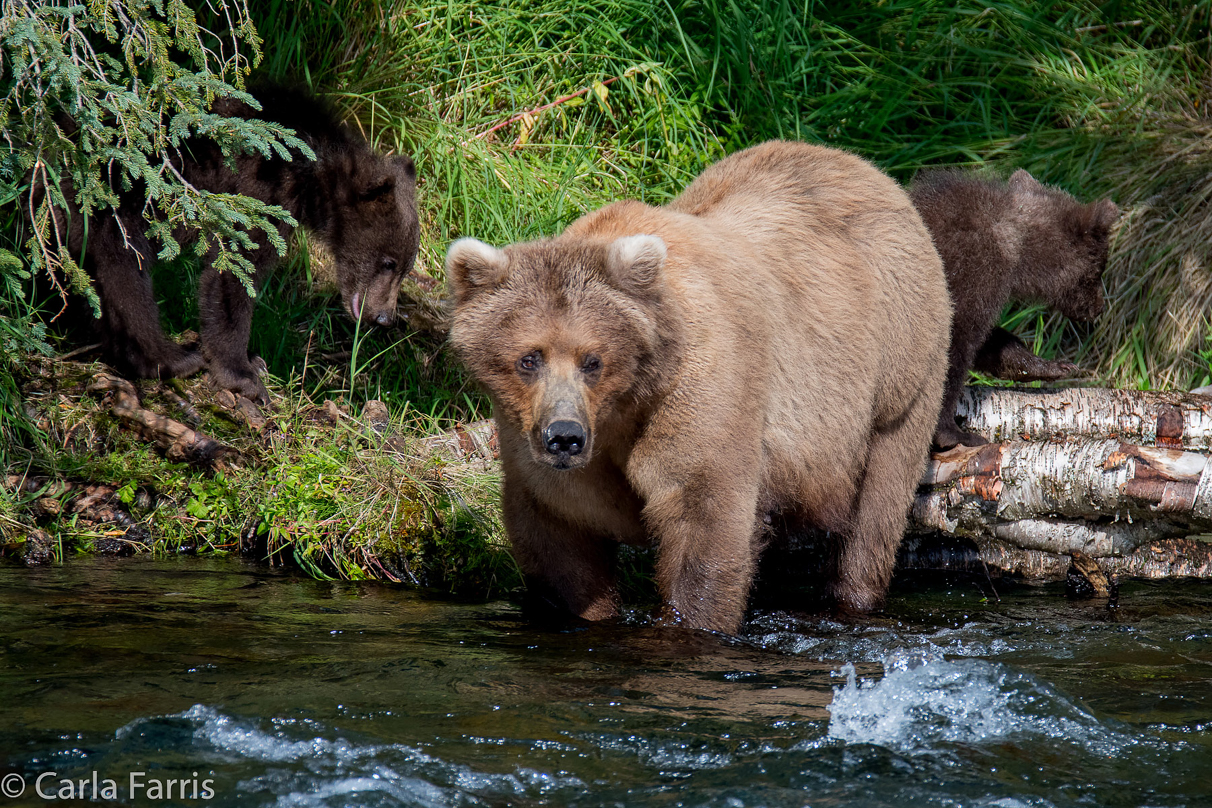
(1122, 476)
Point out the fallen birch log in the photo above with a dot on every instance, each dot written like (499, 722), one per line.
(1100, 497)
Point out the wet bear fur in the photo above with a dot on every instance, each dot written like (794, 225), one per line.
(360, 204)
(1009, 241)
(772, 342)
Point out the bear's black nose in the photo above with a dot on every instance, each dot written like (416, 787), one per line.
(385, 318)
(564, 436)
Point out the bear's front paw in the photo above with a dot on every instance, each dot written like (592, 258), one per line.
(1049, 371)
(856, 601)
(241, 381)
(950, 437)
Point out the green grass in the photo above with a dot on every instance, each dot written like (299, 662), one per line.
(1107, 99)
(633, 98)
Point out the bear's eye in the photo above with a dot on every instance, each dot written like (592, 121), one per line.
(388, 264)
(530, 362)
(591, 364)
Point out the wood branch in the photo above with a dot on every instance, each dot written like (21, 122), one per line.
(178, 441)
(532, 112)
(1168, 558)
(474, 445)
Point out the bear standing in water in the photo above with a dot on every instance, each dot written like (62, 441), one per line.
(1001, 242)
(360, 204)
(773, 341)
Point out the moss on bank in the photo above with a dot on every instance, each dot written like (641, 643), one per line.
(353, 495)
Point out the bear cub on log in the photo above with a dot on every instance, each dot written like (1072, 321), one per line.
(1002, 242)
(360, 204)
(770, 343)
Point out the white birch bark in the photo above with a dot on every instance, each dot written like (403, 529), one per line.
(1102, 497)
(1001, 414)
(1171, 558)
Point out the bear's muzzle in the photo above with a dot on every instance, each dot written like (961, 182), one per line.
(561, 436)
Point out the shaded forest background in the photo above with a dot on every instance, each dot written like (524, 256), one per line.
(522, 115)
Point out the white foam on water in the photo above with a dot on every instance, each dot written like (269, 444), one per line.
(1011, 802)
(328, 769)
(226, 734)
(408, 791)
(922, 706)
(665, 754)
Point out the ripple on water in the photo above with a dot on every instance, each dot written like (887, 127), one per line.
(828, 639)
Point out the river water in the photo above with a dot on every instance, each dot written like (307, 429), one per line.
(264, 688)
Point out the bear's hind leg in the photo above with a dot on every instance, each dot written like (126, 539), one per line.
(226, 312)
(130, 319)
(896, 459)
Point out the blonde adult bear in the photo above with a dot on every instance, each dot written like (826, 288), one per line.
(772, 342)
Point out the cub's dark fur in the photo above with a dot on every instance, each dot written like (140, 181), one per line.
(1018, 240)
(360, 204)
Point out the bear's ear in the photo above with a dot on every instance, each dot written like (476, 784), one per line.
(404, 166)
(633, 263)
(472, 266)
(1022, 182)
(1106, 213)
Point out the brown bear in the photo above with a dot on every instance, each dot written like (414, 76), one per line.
(999, 242)
(772, 342)
(359, 203)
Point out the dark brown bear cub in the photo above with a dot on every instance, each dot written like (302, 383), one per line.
(1000, 242)
(362, 205)
(773, 341)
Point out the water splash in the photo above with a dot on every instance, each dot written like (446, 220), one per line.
(924, 705)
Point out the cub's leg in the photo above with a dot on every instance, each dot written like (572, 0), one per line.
(1006, 357)
(867, 553)
(130, 320)
(226, 312)
(574, 564)
(966, 336)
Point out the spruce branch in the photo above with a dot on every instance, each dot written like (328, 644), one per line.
(98, 100)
